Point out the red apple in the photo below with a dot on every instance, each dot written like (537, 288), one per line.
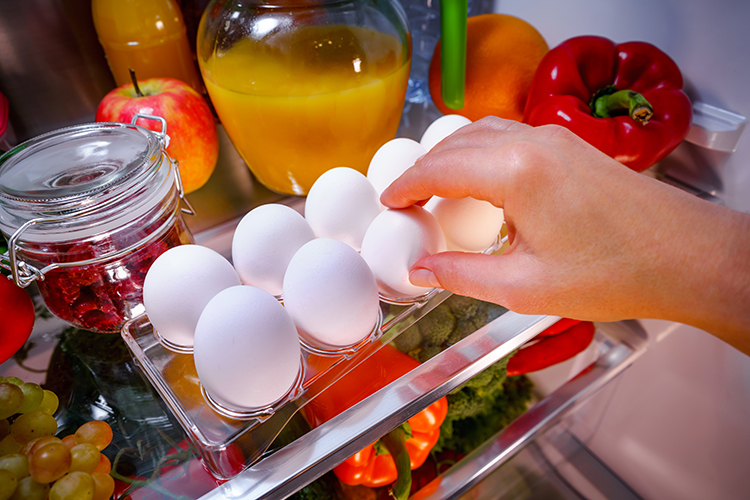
(191, 127)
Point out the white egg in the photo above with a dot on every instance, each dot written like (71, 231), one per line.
(341, 205)
(178, 286)
(391, 160)
(394, 242)
(264, 242)
(469, 225)
(247, 352)
(331, 294)
(442, 128)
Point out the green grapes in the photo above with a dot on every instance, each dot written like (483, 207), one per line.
(34, 424)
(9, 445)
(8, 484)
(28, 489)
(11, 398)
(49, 403)
(74, 486)
(37, 465)
(15, 463)
(32, 397)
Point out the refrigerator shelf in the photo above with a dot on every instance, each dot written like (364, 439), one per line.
(615, 356)
(310, 456)
(229, 444)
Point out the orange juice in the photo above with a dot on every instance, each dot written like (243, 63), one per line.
(148, 36)
(310, 99)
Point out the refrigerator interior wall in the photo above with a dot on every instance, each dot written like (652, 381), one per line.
(674, 426)
(708, 40)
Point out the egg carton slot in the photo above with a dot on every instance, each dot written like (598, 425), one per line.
(222, 436)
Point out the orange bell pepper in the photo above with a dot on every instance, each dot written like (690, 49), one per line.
(392, 458)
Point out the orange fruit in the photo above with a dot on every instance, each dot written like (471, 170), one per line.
(502, 54)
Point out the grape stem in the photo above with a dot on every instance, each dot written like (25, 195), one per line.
(151, 482)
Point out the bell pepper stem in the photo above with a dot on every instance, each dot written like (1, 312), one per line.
(609, 102)
(395, 442)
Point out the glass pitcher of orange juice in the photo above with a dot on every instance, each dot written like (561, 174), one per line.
(303, 86)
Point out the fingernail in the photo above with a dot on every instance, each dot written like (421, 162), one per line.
(423, 277)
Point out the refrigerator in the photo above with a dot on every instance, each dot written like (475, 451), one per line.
(652, 409)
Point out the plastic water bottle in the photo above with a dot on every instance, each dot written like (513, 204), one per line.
(424, 24)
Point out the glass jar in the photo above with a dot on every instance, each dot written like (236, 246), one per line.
(147, 36)
(303, 86)
(86, 210)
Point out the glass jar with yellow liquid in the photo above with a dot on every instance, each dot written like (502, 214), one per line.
(304, 86)
(147, 36)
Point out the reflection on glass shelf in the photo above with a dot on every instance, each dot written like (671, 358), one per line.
(556, 466)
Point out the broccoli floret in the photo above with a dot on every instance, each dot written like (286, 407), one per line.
(323, 488)
(490, 381)
(427, 337)
(461, 305)
(479, 393)
(445, 325)
(436, 326)
(471, 315)
(408, 340)
(464, 403)
(427, 352)
(486, 403)
(464, 434)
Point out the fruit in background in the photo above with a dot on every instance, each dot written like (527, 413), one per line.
(36, 464)
(502, 54)
(17, 313)
(625, 99)
(191, 127)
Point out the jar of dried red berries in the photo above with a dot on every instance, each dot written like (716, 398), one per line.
(86, 210)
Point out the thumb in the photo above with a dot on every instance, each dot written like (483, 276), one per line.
(486, 277)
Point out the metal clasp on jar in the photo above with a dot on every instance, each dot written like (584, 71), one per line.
(24, 274)
(164, 139)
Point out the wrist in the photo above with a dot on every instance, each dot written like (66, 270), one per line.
(704, 269)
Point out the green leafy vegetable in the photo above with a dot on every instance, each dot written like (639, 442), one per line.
(477, 419)
(486, 403)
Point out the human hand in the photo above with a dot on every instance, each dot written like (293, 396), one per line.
(589, 238)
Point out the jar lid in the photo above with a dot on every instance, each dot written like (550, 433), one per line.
(77, 167)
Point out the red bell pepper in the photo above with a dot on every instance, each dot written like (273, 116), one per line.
(558, 343)
(16, 318)
(404, 449)
(626, 100)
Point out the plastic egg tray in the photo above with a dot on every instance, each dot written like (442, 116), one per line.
(231, 442)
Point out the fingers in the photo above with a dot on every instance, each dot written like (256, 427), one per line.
(491, 278)
(467, 163)
(454, 173)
